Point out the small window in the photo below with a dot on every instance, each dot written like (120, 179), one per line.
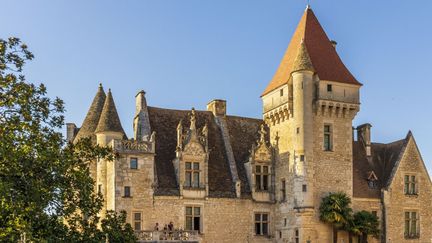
(261, 224)
(412, 227)
(285, 222)
(281, 92)
(329, 88)
(283, 190)
(127, 191)
(328, 143)
(302, 157)
(410, 185)
(262, 173)
(297, 236)
(100, 188)
(298, 130)
(304, 188)
(134, 163)
(137, 221)
(280, 234)
(193, 218)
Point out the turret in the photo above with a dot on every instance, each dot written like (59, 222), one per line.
(141, 122)
(92, 118)
(109, 128)
(303, 93)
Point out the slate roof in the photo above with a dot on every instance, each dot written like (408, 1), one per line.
(109, 119)
(384, 158)
(242, 132)
(323, 55)
(92, 118)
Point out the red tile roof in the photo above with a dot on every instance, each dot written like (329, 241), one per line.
(323, 55)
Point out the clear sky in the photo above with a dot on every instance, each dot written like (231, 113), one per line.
(184, 53)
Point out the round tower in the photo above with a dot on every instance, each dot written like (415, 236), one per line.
(303, 93)
(109, 128)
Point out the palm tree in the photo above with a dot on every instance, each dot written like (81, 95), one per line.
(367, 224)
(335, 210)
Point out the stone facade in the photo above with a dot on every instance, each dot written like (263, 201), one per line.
(222, 178)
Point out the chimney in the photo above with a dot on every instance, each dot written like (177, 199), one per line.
(334, 43)
(71, 131)
(140, 102)
(364, 135)
(217, 107)
(141, 123)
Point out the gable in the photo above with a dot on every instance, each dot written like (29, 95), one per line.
(410, 161)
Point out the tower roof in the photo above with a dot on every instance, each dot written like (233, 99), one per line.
(302, 60)
(92, 118)
(322, 53)
(109, 120)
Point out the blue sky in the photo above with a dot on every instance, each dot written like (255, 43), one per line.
(185, 53)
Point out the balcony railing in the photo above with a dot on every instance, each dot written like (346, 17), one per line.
(168, 236)
(132, 146)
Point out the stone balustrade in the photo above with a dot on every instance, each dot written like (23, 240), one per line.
(168, 236)
(125, 146)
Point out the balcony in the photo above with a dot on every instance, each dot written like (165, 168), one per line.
(189, 236)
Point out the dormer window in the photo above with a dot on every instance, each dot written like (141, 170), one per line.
(192, 174)
(372, 180)
(261, 177)
(329, 88)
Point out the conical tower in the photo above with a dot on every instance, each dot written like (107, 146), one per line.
(109, 126)
(108, 129)
(91, 120)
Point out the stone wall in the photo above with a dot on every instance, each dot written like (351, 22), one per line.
(397, 203)
(223, 220)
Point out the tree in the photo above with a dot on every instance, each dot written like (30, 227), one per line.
(335, 210)
(115, 227)
(46, 192)
(366, 224)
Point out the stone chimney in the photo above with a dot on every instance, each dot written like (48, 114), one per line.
(141, 123)
(71, 131)
(364, 135)
(217, 107)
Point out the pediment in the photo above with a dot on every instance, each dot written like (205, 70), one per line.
(263, 153)
(194, 148)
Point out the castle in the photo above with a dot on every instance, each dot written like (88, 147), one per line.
(223, 178)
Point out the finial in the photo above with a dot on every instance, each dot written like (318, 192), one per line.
(193, 120)
(100, 85)
(262, 133)
(109, 90)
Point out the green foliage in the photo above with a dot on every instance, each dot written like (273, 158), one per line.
(335, 209)
(46, 192)
(115, 227)
(366, 223)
